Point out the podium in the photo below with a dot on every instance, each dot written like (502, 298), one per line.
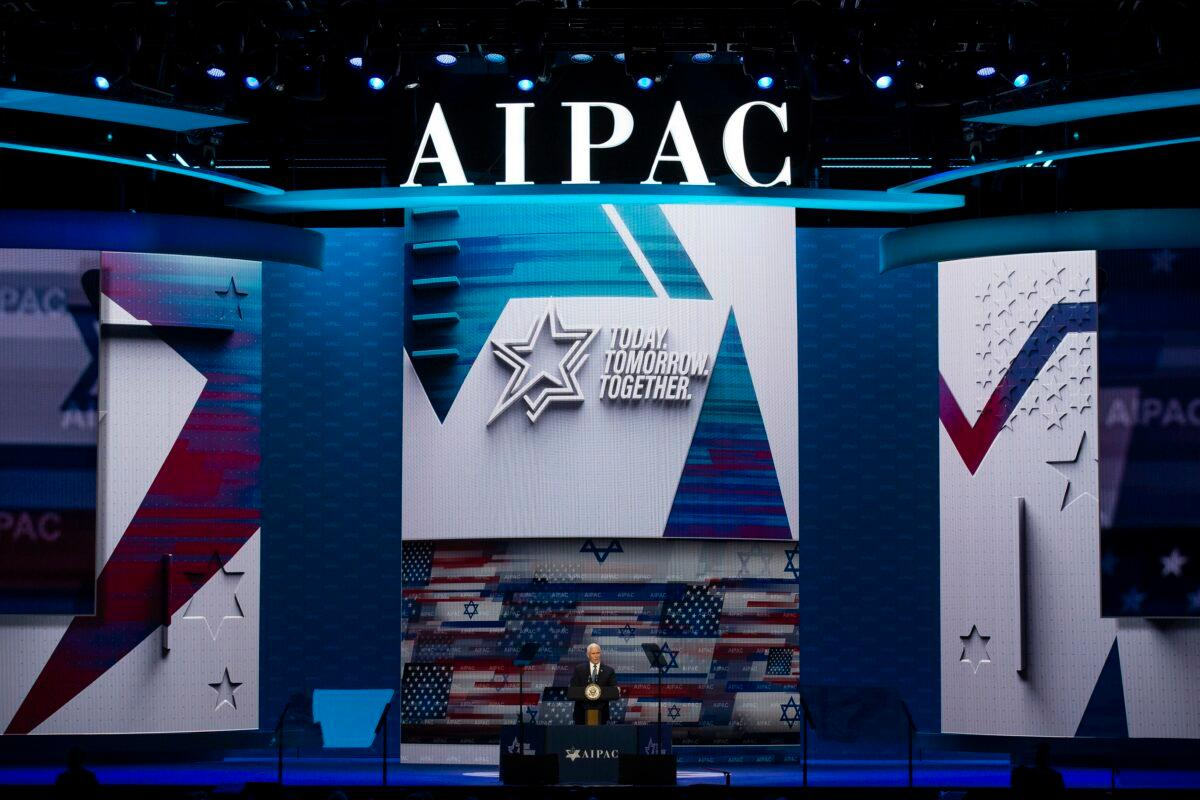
(584, 754)
(592, 713)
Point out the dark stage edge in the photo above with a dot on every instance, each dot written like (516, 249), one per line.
(840, 778)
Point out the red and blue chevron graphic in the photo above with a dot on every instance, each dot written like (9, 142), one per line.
(974, 441)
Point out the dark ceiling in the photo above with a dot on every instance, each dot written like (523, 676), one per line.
(313, 122)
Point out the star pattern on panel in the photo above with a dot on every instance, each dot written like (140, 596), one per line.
(790, 712)
(1172, 563)
(626, 632)
(232, 291)
(425, 692)
(1132, 600)
(541, 387)
(602, 554)
(974, 649)
(1079, 470)
(696, 614)
(672, 712)
(470, 609)
(779, 661)
(226, 690)
(217, 601)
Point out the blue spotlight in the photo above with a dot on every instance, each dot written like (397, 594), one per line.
(765, 82)
(581, 58)
(251, 82)
(702, 58)
(377, 83)
(446, 59)
(986, 71)
(883, 82)
(215, 72)
(644, 82)
(1021, 81)
(525, 84)
(495, 58)
(355, 61)
(101, 83)
(619, 58)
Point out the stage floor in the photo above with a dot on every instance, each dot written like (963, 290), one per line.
(232, 773)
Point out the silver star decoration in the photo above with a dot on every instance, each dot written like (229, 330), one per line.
(226, 690)
(562, 384)
(1173, 563)
(1078, 470)
(217, 599)
(974, 649)
(237, 293)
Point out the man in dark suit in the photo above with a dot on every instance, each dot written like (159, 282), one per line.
(592, 671)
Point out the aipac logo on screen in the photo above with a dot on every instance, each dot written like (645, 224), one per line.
(638, 366)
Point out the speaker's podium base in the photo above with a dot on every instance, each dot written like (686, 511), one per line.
(645, 770)
(528, 770)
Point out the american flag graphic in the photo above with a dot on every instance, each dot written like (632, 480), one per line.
(723, 612)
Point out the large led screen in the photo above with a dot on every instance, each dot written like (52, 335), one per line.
(600, 371)
(1149, 422)
(49, 367)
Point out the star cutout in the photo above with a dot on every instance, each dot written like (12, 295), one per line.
(562, 382)
(226, 690)
(793, 568)
(1173, 563)
(215, 598)
(237, 293)
(790, 712)
(1132, 600)
(1054, 418)
(1078, 471)
(572, 753)
(470, 609)
(974, 649)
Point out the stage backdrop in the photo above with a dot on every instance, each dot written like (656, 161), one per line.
(1068, 463)
(600, 371)
(172, 393)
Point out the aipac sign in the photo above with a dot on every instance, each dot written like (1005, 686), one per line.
(677, 144)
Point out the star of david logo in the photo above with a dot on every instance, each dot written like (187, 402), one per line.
(602, 555)
(789, 712)
(540, 387)
(626, 632)
(532, 712)
(670, 654)
(572, 753)
(237, 293)
(793, 567)
(470, 609)
(673, 712)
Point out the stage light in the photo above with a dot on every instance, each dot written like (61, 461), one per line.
(760, 66)
(377, 83)
(883, 82)
(101, 83)
(702, 58)
(495, 58)
(525, 85)
(619, 58)
(252, 82)
(355, 61)
(581, 58)
(765, 82)
(645, 82)
(215, 72)
(446, 59)
(1021, 81)
(986, 71)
